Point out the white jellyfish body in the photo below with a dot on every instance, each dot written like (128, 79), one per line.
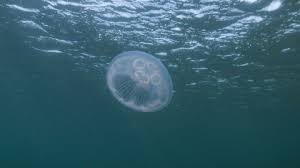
(139, 81)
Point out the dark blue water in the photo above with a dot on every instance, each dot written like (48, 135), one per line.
(235, 67)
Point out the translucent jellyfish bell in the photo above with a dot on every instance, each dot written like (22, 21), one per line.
(140, 81)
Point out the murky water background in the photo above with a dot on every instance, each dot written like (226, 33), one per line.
(235, 67)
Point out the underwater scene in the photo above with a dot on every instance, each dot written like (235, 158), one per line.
(150, 83)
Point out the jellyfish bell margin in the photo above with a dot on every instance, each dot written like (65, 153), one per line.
(139, 81)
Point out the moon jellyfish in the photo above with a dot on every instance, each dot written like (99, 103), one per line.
(140, 81)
